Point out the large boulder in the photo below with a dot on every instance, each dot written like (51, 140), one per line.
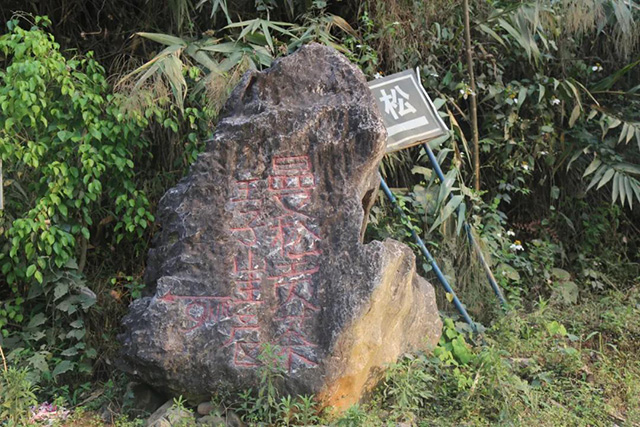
(261, 244)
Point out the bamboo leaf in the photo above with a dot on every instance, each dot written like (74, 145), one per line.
(343, 25)
(629, 191)
(636, 188)
(575, 92)
(628, 168)
(491, 33)
(574, 158)
(462, 211)
(165, 39)
(171, 50)
(228, 47)
(595, 164)
(615, 189)
(541, 91)
(522, 95)
(447, 211)
(205, 60)
(608, 82)
(172, 68)
(265, 31)
(574, 115)
(446, 186)
(623, 134)
(601, 170)
(606, 177)
(631, 132)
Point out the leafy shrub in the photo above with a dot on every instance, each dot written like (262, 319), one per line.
(68, 153)
(17, 395)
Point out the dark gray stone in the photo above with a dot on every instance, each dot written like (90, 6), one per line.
(261, 243)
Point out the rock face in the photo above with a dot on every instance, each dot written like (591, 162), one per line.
(261, 244)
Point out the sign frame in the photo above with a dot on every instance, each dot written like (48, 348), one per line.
(429, 125)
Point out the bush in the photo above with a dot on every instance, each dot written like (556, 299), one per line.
(68, 154)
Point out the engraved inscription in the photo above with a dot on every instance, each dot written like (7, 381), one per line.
(278, 252)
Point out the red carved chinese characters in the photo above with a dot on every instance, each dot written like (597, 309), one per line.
(277, 252)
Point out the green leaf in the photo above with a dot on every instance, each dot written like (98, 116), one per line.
(447, 211)
(72, 351)
(61, 289)
(615, 188)
(555, 328)
(628, 191)
(165, 39)
(522, 95)
(601, 170)
(574, 115)
(79, 323)
(39, 361)
(461, 350)
(462, 211)
(628, 168)
(31, 269)
(606, 178)
(568, 292)
(592, 167)
(36, 321)
(76, 333)
(508, 272)
(560, 274)
(491, 33)
(62, 367)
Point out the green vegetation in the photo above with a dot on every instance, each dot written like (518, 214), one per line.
(95, 127)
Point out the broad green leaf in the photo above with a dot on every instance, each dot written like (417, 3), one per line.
(62, 367)
(61, 289)
(31, 269)
(556, 328)
(568, 292)
(560, 274)
(36, 320)
(71, 351)
(522, 95)
(39, 361)
(461, 350)
(508, 272)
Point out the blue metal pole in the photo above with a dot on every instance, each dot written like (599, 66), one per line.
(429, 257)
(467, 228)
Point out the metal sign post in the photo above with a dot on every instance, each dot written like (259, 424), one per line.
(411, 119)
(408, 113)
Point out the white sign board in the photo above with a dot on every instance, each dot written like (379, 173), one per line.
(407, 111)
